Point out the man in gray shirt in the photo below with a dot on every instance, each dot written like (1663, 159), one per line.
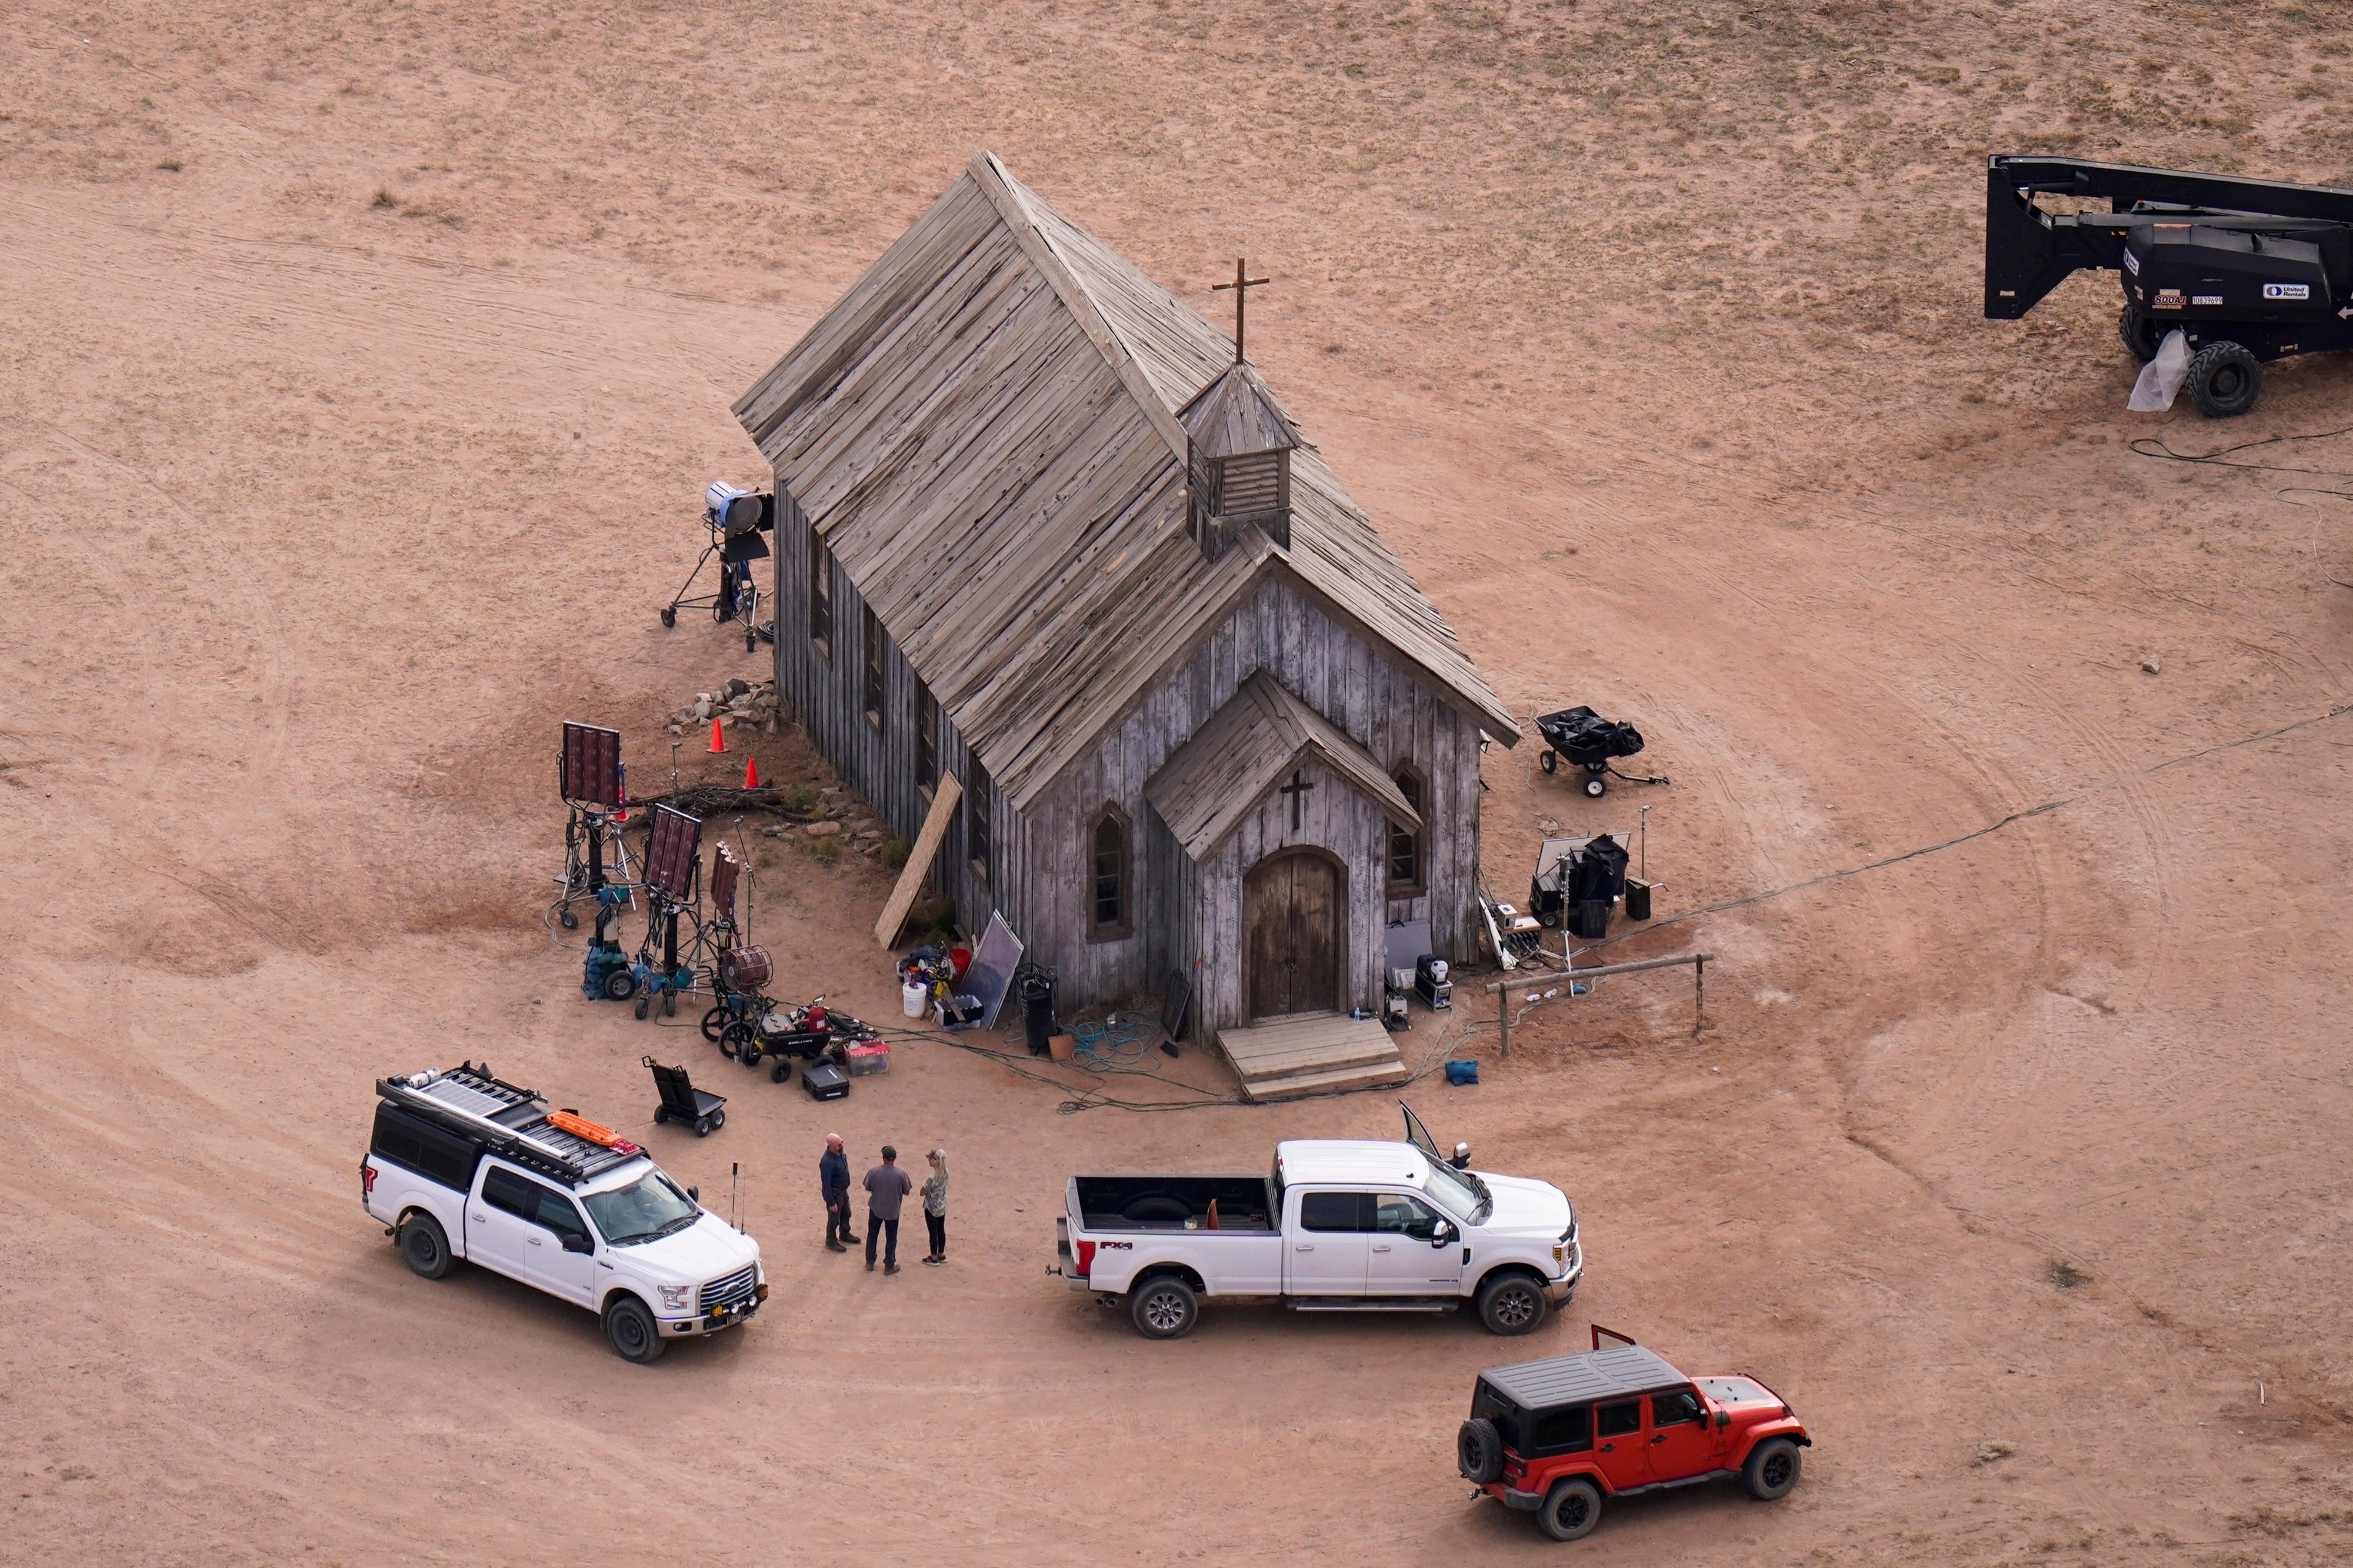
(887, 1187)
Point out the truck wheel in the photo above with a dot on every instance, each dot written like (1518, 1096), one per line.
(1771, 1470)
(633, 1331)
(2140, 333)
(1570, 1509)
(1163, 1308)
(1512, 1304)
(2224, 380)
(426, 1246)
(1478, 1450)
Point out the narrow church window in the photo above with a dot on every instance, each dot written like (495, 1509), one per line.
(820, 603)
(927, 741)
(975, 818)
(1109, 882)
(874, 646)
(1405, 843)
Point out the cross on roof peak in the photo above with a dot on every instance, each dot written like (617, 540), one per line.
(1241, 286)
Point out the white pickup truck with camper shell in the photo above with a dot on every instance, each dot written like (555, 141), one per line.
(1338, 1226)
(464, 1166)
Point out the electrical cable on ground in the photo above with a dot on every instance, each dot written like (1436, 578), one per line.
(2016, 816)
(2153, 448)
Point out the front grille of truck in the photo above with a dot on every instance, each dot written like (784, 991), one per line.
(728, 1290)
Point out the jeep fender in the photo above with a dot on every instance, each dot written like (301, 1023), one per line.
(1577, 1472)
(1787, 1426)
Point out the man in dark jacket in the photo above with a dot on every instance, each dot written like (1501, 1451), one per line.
(887, 1187)
(833, 1183)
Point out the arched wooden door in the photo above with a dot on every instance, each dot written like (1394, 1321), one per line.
(1295, 907)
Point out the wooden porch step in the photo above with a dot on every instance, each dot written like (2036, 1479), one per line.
(1312, 1059)
(1330, 1078)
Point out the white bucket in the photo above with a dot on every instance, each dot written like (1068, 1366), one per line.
(911, 997)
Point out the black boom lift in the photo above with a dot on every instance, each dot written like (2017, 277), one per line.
(2250, 271)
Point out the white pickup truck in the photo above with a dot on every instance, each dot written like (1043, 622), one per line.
(462, 1165)
(1340, 1225)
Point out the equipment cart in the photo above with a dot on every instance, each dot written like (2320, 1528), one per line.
(682, 1102)
(1588, 741)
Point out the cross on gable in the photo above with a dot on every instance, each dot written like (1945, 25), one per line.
(1296, 789)
(1241, 286)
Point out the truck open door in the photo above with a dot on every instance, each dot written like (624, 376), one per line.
(1418, 1136)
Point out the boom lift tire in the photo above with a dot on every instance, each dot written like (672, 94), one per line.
(1570, 1509)
(1512, 1304)
(632, 1331)
(2224, 380)
(1771, 1469)
(1163, 1308)
(2140, 333)
(424, 1246)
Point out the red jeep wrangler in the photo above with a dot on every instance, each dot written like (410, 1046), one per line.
(1558, 1435)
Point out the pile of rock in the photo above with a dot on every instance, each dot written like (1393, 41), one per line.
(842, 816)
(736, 702)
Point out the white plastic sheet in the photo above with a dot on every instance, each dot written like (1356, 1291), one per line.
(2161, 378)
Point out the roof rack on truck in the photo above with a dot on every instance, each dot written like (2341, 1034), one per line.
(507, 1119)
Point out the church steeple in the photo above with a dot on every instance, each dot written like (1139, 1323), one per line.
(1240, 442)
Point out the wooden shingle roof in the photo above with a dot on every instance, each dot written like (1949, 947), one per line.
(1218, 778)
(985, 431)
(1238, 412)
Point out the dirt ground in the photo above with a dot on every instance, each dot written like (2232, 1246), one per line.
(363, 365)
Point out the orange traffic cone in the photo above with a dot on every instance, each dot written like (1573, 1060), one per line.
(751, 773)
(718, 736)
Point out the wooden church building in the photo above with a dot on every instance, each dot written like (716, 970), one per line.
(1042, 529)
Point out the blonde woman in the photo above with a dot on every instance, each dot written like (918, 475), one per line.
(935, 1207)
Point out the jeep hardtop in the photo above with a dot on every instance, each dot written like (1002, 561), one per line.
(1556, 1437)
(463, 1165)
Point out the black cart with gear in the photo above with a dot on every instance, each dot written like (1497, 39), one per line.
(1589, 741)
(684, 1103)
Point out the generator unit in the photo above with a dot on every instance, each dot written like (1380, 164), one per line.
(2250, 271)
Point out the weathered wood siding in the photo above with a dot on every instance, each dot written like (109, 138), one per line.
(1184, 917)
(828, 699)
(1188, 918)
(1332, 816)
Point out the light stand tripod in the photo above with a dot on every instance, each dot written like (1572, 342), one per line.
(735, 520)
(585, 835)
(671, 977)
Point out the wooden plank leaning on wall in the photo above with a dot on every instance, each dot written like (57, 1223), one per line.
(919, 860)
